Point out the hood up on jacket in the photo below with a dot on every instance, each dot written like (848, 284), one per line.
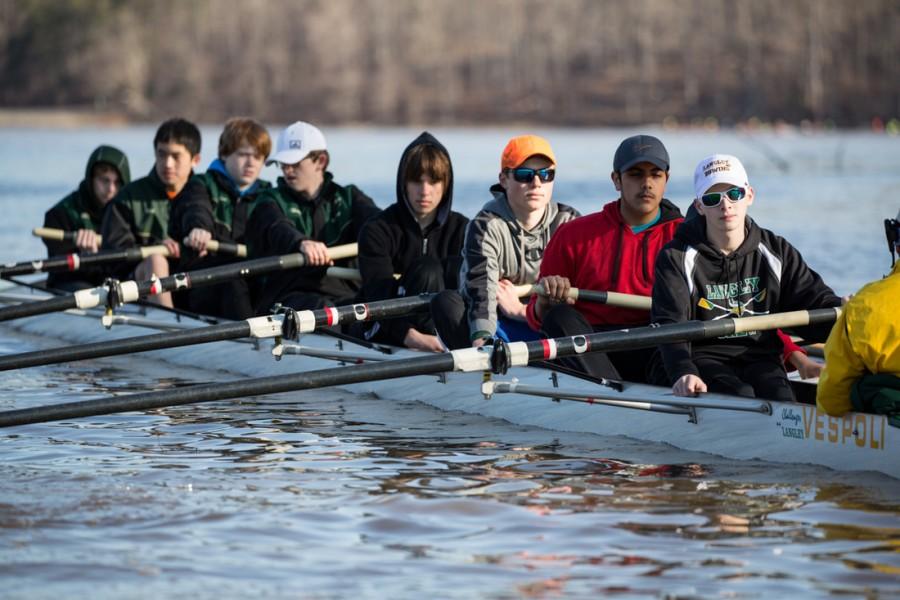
(446, 204)
(103, 155)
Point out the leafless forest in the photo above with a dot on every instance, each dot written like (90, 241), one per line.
(564, 62)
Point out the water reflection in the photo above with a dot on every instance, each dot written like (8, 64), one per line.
(354, 496)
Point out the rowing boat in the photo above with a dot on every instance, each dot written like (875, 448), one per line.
(735, 428)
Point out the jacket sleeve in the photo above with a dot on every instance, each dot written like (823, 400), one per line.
(270, 232)
(672, 303)
(454, 259)
(192, 209)
(56, 218)
(376, 265)
(362, 209)
(116, 228)
(479, 276)
(803, 289)
(843, 366)
(558, 260)
(789, 347)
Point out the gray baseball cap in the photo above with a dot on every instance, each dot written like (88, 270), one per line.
(638, 149)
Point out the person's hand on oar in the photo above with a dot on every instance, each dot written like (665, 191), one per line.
(508, 300)
(198, 239)
(87, 240)
(173, 247)
(316, 253)
(688, 385)
(556, 291)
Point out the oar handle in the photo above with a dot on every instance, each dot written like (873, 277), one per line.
(151, 250)
(217, 247)
(344, 273)
(49, 233)
(345, 251)
(610, 298)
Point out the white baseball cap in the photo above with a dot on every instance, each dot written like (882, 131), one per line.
(296, 142)
(719, 168)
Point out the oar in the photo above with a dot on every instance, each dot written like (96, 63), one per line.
(611, 298)
(214, 246)
(496, 359)
(74, 262)
(287, 325)
(117, 293)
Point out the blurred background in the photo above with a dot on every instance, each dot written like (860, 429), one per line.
(595, 63)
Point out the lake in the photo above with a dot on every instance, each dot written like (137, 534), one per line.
(354, 497)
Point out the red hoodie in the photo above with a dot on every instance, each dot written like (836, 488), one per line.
(600, 252)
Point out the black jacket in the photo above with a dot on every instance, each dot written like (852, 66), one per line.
(764, 275)
(393, 240)
(282, 218)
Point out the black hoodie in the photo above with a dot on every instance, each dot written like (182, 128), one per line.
(764, 275)
(393, 240)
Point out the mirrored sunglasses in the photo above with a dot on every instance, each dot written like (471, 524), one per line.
(713, 199)
(526, 175)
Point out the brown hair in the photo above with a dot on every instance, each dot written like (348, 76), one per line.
(428, 160)
(242, 130)
(315, 154)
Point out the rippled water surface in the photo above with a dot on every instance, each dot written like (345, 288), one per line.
(338, 495)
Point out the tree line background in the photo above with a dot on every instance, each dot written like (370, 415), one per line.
(559, 62)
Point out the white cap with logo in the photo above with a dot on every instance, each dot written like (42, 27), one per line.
(296, 142)
(719, 168)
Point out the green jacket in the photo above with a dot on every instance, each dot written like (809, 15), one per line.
(138, 215)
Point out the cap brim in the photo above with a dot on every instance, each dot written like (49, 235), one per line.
(288, 157)
(653, 160)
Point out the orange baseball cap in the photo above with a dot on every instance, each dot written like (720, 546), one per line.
(519, 149)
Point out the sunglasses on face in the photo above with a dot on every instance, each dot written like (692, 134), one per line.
(713, 199)
(526, 175)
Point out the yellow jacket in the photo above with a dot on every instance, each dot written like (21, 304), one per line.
(865, 338)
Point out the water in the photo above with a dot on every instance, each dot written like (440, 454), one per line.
(336, 495)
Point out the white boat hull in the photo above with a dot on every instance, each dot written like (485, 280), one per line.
(793, 433)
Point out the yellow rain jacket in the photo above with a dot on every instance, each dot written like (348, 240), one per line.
(865, 338)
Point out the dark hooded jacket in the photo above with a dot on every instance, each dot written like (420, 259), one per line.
(695, 281)
(392, 241)
(82, 210)
(212, 201)
(282, 218)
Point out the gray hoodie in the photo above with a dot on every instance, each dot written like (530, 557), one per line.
(497, 247)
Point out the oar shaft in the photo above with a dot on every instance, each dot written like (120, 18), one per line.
(644, 337)
(145, 343)
(306, 321)
(75, 262)
(376, 371)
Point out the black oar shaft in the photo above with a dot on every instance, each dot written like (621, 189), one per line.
(689, 331)
(424, 365)
(70, 262)
(30, 309)
(308, 321)
(145, 343)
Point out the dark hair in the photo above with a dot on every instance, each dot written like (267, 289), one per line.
(179, 131)
(315, 154)
(428, 160)
(243, 130)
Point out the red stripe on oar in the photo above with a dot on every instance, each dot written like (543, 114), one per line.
(72, 261)
(155, 287)
(549, 349)
(332, 315)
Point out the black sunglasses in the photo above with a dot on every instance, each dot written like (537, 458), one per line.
(526, 175)
(713, 199)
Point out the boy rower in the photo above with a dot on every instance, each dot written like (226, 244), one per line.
(306, 212)
(503, 247)
(612, 250)
(82, 212)
(139, 214)
(215, 205)
(722, 265)
(418, 237)
(862, 354)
